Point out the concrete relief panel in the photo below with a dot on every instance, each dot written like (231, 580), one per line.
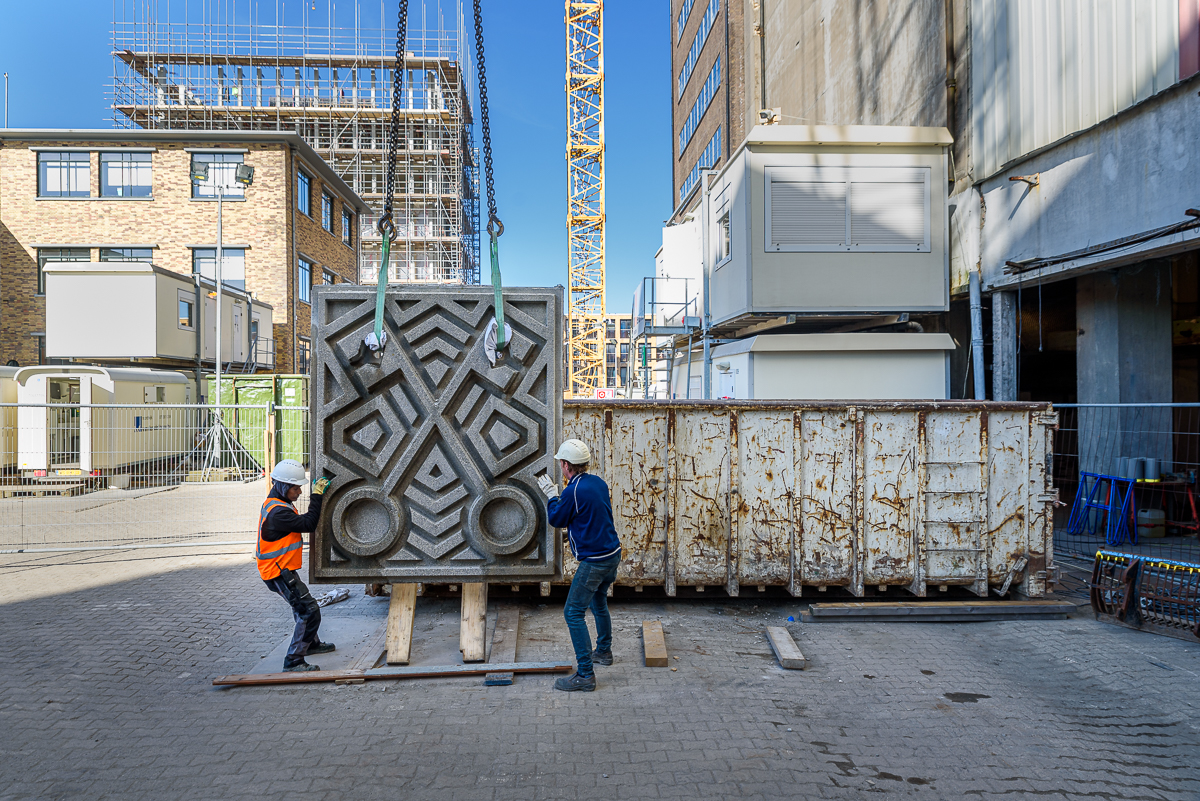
(435, 453)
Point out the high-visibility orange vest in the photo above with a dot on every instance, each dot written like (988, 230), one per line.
(283, 554)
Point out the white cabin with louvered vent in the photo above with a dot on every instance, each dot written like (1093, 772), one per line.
(830, 220)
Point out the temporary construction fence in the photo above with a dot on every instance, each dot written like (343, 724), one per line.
(85, 476)
(1139, 465)
(916, 496)
(288, 394)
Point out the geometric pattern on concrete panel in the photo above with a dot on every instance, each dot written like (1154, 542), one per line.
(434, 453)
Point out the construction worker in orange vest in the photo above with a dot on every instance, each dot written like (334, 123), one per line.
(280, 555)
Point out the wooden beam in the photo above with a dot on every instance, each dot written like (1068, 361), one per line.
(401, 610)
(472, 639)
(785, 649)
(504, 644)
(415, 672)
(375, 647)
(654, 643)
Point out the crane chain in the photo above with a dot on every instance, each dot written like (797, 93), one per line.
(494, 226)
(386, 225)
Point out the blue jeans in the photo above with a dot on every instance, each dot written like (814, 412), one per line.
(590, 588)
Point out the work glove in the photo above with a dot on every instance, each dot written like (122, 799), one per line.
(320, 485)
(548, 487)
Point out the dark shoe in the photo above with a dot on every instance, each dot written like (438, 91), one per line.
(575, 683)
(321, 648)
(299, 667)
(598, 657)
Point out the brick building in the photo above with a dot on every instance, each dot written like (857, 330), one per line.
(127, 195)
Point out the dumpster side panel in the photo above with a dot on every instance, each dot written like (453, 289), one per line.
(827, 548)
(955, 501)
(636, 446)
(890, 478)
(586, 423)
(766, 465)
(1042, 495)
(701, 502)
(1008, 484)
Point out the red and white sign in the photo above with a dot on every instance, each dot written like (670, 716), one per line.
(605, 393)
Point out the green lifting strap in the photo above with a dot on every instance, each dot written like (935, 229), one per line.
(499, 289)
(381, 289)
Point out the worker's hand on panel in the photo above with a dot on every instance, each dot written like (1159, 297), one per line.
(546, 485)
(320, 485)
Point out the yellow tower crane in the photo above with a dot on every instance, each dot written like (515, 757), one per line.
(585, 197)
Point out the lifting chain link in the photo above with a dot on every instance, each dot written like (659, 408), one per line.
(494, 227)
(386, 225)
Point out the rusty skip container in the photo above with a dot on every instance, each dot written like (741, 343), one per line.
(909, 495)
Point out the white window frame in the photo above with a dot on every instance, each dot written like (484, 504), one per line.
(849, 176)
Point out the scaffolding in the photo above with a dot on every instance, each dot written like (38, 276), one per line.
(215, 65)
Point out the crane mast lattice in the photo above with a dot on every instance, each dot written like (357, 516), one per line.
(585, 197)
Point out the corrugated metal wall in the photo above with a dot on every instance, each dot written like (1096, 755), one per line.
(1044, 69)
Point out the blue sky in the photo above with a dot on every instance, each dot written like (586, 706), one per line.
(525, 50)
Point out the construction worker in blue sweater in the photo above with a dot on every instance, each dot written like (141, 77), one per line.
(584, 509)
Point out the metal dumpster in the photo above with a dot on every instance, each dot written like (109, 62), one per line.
(915, 496)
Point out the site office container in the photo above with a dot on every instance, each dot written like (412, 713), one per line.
(64, 427)
(8, 418)
(808, 495)
(288, 397)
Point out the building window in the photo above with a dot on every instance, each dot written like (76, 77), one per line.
(723, 251)
(684, 12)
(327, 211)
(302, 351)
(233, 266)
(126, 254)
(304, 192)
(221, 169)
(64, 174)
(703, 100)
(706, 25)
(48, 255)
(610, 348)
(124, 175)
(624, 352)
(187, 307)
(611, 375)
(305, 278)
(625, 329)
(328, 278)
(347, 228)
(624, 376)
(708, 159)
(610, 329)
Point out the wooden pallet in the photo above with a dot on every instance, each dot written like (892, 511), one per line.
(42, 490)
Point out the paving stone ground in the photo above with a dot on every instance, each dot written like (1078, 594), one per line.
(107, 660)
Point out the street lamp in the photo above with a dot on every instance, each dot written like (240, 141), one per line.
(244, 175)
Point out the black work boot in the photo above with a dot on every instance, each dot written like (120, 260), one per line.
(575, 683)
(299, 667)
(321, 648)
(598, 657)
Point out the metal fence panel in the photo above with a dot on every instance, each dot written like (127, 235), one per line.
(85, 476)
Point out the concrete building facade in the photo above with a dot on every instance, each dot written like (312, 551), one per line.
(124, 195)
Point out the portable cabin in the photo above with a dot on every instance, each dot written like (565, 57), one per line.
(847, 366)
(78, 420)
(829, 221)
(8, 418)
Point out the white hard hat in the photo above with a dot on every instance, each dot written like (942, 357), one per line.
(289, 471)
(574, 451)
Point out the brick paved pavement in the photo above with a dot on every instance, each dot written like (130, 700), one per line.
(107, 662)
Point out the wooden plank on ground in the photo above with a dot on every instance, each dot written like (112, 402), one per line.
(785, 649)
(473, 622)
(654, 643)
(401, 609)
(504, 644)
(940, 611)
(413, 672)
(376, 646)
